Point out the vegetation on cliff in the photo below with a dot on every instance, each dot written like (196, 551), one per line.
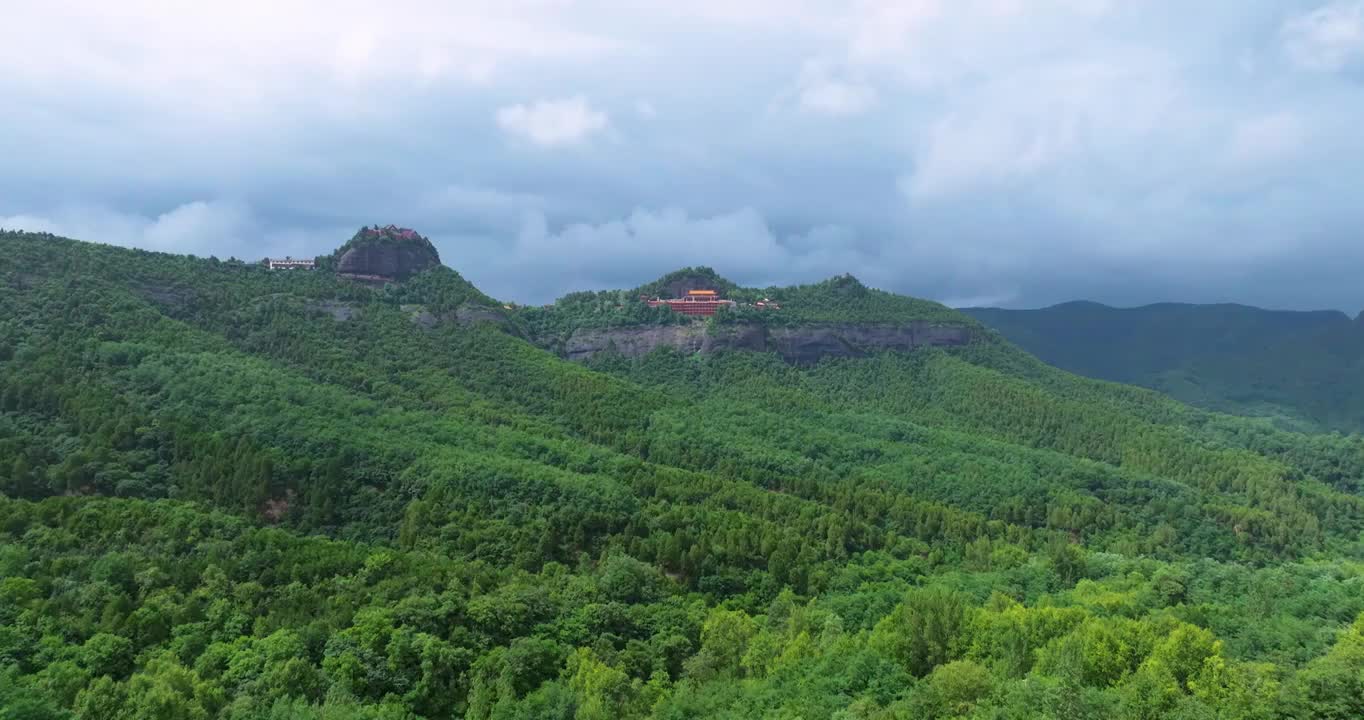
(224, 500)
(841, 299)
(387, 236)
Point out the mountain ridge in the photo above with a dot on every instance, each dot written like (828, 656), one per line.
(1153, 305)
(1299, 366)
(804, 324)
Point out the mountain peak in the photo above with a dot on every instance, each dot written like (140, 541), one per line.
(846, 284)
(679, 282)
(385, 253)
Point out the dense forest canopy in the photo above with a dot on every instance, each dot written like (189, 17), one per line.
(1302, 369)
(229, 492)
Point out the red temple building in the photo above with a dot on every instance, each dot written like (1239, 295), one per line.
(697, 302)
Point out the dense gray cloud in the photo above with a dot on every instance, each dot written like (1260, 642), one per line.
(1015, 152)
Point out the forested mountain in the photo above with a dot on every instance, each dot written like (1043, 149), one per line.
(1304, 369)
(230, 492)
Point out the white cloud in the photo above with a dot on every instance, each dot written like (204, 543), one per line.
(665, 239)
(780, 14)
(221, 228)
(469, 205)
(1039, 119)
(471, 198)
(30, 223)
(550, 123)
(355, 51)
(1327, 39)
(940, 43)
(1138, 133)
(253, 57)
(200, 224)
(1267, 139)
(647, 243)
(833, 97)
(884, 30)
(741, 244)
(962, 153)
(822, 92)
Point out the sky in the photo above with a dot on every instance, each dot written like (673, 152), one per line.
(1015, 153)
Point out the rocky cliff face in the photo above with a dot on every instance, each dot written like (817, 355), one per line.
(385, 253)
(800, 345)
(386, 260)
(464, 316)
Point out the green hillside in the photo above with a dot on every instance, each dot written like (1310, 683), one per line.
(236, 493)
(1305, 369)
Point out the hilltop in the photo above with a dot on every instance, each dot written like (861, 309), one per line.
(385, 254)
(804, 324)
(235, 493)
(1304, 369)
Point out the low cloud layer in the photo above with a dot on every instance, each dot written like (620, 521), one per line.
(552, 122)
(972, 151)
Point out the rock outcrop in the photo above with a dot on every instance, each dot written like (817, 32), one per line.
(468, 315)
(388, 253)
(340, 311)
(385, 261)
(463, 316)
(800, 345)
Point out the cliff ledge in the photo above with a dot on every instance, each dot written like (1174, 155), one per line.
(799, 344)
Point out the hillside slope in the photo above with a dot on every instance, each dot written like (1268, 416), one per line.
(1304, 368)
(230, 492)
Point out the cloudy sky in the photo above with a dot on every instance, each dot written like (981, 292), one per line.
(1010, 152)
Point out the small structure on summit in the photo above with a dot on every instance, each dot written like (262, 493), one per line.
(290, 263)
(385, 254)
